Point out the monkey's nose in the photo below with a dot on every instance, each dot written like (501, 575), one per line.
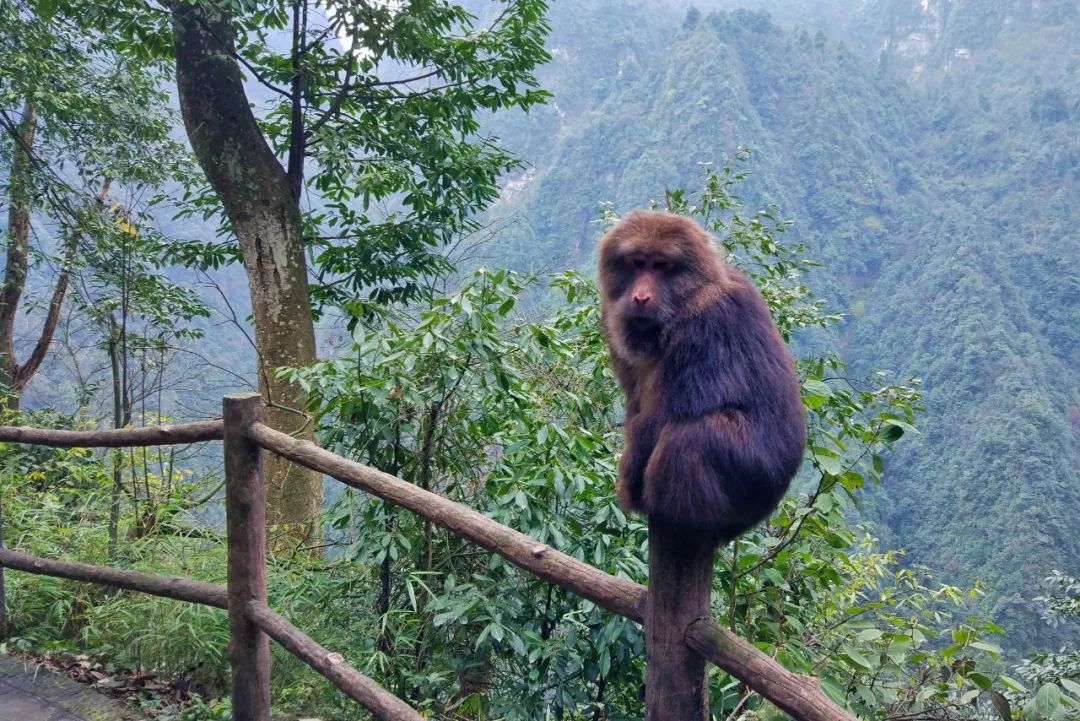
(640, 300)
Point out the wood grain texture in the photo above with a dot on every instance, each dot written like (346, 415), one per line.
(245, 521)
(680, 588)
(166, 435)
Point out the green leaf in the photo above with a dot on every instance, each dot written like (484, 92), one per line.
(1012, 684)
(855, 659)
(46, 8)
(773, 575)
(961, 635)
(833, 691)
(988, 647)
(817, 388)
(891, 433)
(1001, 705)
(1070, 685)
(829, 463)
(969, 695)
(1046, 703)
(866, 694)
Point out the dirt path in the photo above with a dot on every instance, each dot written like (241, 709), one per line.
(32, 693)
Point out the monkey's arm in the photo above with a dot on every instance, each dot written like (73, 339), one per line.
(640, 432)
(628, 381)
(708, 363)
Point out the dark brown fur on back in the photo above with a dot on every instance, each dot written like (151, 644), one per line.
(715, 427)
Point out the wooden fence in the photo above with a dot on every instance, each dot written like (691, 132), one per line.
(680, 637)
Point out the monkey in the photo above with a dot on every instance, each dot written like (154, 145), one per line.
(714, 421)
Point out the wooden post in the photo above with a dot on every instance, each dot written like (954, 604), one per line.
(3, 589)
(680, 588)
(245, 512)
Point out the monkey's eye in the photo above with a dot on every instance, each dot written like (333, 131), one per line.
(638, 263)
(661, 265)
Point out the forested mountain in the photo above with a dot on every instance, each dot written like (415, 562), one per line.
(328, 200)
(984, 303)
(928, 153)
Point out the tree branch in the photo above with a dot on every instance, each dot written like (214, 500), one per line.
(295, 164)
(41, 348)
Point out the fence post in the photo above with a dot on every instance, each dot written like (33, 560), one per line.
(680, 589)
(245, 513)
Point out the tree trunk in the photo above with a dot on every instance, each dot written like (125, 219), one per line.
(117, 492)
(258, 198)
(680, 588)
(18, 246)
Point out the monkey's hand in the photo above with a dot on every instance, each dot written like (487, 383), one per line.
(687, 484)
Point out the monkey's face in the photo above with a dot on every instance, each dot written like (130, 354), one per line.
(652, 268)
(644, 305)
(643, 289)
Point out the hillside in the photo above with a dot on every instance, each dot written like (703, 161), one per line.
(990, 489)
(930, 164)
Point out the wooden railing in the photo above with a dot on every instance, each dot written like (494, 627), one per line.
(252, 623)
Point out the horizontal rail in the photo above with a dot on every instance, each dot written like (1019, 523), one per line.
(354, 684)
(380, 702)
(175, 587)
(624, 597)
(167, 435)
(797, 694)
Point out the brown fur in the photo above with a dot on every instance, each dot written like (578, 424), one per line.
(715, 427)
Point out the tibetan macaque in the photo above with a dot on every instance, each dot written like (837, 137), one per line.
(715, 426)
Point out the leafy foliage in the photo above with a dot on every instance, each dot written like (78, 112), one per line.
(101, 116)
(382, 104)
(941, 210)
(1055, 676)
(514, 417)
(57, 504)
